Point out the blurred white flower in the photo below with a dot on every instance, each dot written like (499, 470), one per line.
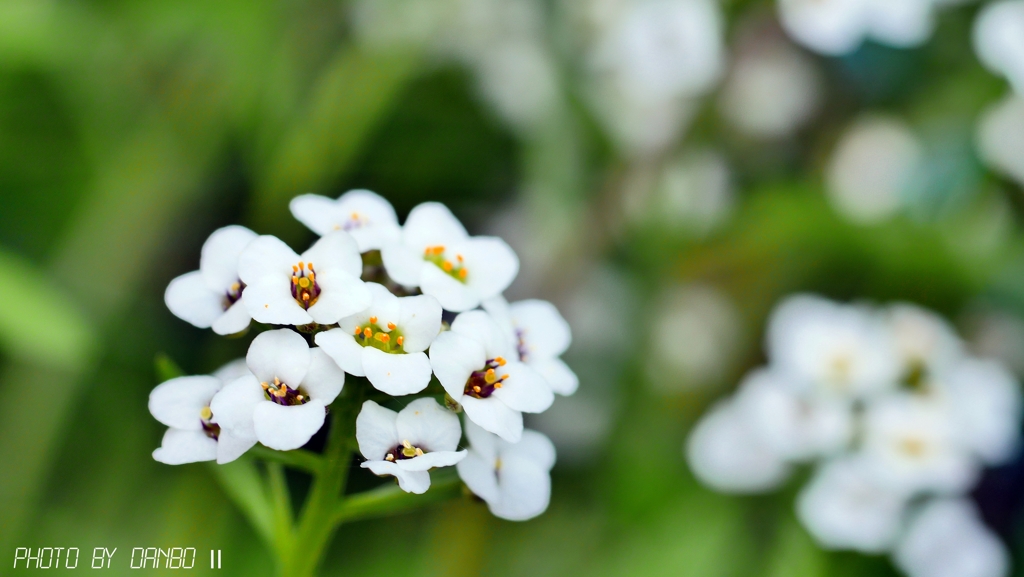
(210, 296)
(873, 168)
(540, 335)
(438, 256)
(997, 335)
(321, 286)
(726, 452)
(476, 364)
(518, 78)
(946, 538)
(1000, 137)
(183, 404)
(693, 338)
(283, 402)
(837, 27)
(771, 91)
(513, 479)
(999, 40)
(386, 342)
(844, 507)
(365, 215)
(910, 445)
(795, 427)
(924, 341)
(986, 409)
(409, 443)
(832, 349)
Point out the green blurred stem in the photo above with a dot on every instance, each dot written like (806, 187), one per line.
(391, 500)
(297, 459)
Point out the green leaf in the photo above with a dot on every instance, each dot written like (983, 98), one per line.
(794, 553)
(166, 368)
(244, 486)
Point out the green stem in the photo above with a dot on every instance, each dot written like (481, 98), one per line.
(282, 505)
(391, 500)
(297, 459)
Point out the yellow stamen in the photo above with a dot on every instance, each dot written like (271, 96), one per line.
(295, 268)
(391, 326)
(463, 272)
(489, 376)
(373, 320)
(459, 256)
(358, 330)
(500, 360)
(206, 413)
(295, 279)
(390, 457)
(476, 388)
(419, 452)
(505, 376)
(385, 338)
(367, 332)
(447, 266)
(400, 340)
(303, 282)
(305, 296)
(497, 385)
(302, 265)
(379, 337)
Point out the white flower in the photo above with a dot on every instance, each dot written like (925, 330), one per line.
(836, 27)
(874, 169)
(321, 286)
(209, 297)
(836, 350)
(910, 445)
(985, 405)
(948, 539)
(794, 426)
(183, 404)
(541, 335)
(1000, 137)
(476, 363)
(999, 40)
(924, 341)
(283, 402)
(385, 342)
(438, 256)
(727, 453)
(514, 479)
(409, 443)
(365, 215)
(843, 507)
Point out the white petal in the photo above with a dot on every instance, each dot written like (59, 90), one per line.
(231, 445)
(420, 321)
(542, 329)
(431, 224)
(560, 378)
(325, 378)
(282, 353)
(219, 260)
(479, 326)
(491, 265)
(266, 256)
(341, 346)
(429, 426)
(524, 490)
(335, 251)
(342, 295)
(495, 417)
(376, 432)
(403, 264)
(269, 300)
(524, 389)
(233, 405)
(178, 402)
(396, 374)
(191, 300)
(179, 447)
(453, 295)
(534, 447)
(478, 473)
(454, 358)
(319, 213)
(384, 305)
(286, 428)
(370, 205)
(234, 320)
(481, 442)
(232, 370)
(947, 538)
(432, 460)
(376, 236)
(410, 481)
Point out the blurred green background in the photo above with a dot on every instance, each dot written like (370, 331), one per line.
(131, 130)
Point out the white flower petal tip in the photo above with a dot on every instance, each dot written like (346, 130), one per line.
(838, 27)
(206, 297)
(513, 479)
(947, 538)
(365, 215)
(541, 335)
(435, 254)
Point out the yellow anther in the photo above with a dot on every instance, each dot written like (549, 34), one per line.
(367, 332)
(390, 457)
(400, 341)
(500, 360)
(406, 444)
(419, 452)
(312, 275)
(295, 268)
(503, 377)
(476, 388)
(277, 381)
(392, 326)
(463, 272)
(265, 386)
(299, 397)
(310, 265)
(206, 413)
(295, 279)
(379, 337)
(235, 287)
(386, 338)
(459, 256)
(373, 320)
(489, 376)
(497, 385)
(302, 265)
(358, 330)
(303, 282)
(355, 216)
(447, 266)
(305, 296)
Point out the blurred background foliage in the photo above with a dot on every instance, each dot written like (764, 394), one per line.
(130, 130)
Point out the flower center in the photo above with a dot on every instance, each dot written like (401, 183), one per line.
(212, 430)
(355, 220)
(483, 383)
(373, 336)
(840, 368)
(233, 293)
(913, 447)
(521, 346)
(404, 451)
(282, 394)
(457, 270)
(305, 289)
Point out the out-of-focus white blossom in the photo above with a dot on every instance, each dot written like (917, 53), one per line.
(837, 27)
(365, 215)
(874, 168)
(947, 538)
(1000, 137)
(999, 40)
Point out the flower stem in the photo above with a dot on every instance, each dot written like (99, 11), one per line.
(298, 459)
(391, 500)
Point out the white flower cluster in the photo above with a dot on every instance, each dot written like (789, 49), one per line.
(494, 363)
(898, 418)
(837, 27)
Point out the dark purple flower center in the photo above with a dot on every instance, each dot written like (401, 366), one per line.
(482, 384)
